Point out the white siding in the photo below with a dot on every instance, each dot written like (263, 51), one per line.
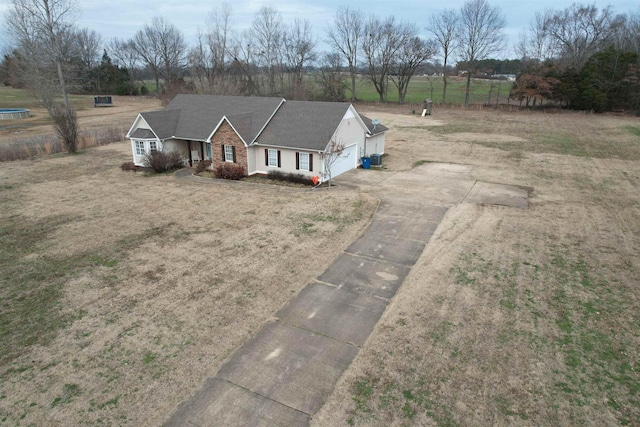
(138, 159)
(287, 161)
(349, 132)
(375, 144)
(252, 165)
(177, 145)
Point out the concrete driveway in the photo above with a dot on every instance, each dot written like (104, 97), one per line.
(285, 373)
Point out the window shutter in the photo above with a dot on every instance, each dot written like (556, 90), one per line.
(310, 162)
(279, 164)
(223, 158)
(297, 161)
(233, 149)
(266, 157)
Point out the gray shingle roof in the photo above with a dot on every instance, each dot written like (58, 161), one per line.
(163, 122)
(143, 134)
(202, 113)
(295, 124)
(379, 128)
(303, 124)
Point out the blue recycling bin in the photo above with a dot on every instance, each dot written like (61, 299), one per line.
(366, 163)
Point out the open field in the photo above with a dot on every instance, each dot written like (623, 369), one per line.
(120, 292)
(423, 87)
(513, 317)
(121, 115)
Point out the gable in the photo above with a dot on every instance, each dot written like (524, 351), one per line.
(162, 122)
(138, 124)
(226, 134)
(142, 133)
(303, 124)
(201, 114)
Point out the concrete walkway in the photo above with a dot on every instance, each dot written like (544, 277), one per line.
(285, 373)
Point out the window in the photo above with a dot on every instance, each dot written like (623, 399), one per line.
(140, 148)
(153, 146)
(229, 153)
(304, 161)
(272, 157)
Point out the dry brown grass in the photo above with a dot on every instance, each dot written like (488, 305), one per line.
(513, 317)
(122, 292)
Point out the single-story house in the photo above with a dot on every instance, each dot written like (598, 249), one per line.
(261, 134)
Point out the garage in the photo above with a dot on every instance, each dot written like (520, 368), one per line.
(348, 160)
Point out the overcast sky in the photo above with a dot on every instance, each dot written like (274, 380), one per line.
(122, 18)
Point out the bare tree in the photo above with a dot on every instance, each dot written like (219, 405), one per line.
(413, 53)
(446, 30)
(534, 44)
(88, 45)
(481, 35)
(199, 62)
(579, 31)
(331, 78)
(209, 58)
(44, 28)
(380, 45)
(162, 48)
(633, 33)
(329, 158)
(267, 33)
(42, 31)
(126, 55)
(299, 51)
(243, 69)
(344, 37)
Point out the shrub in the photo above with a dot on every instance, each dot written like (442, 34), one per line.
(297, 178)
(163, 161)
(230, 171)
(202, 166)
(128, 166)
(65, 122)
(274, 174)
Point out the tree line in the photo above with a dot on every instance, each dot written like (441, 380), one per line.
(561, 54)
(270, 58)
(581, 57)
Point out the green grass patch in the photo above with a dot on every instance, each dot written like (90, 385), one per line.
(423, 87)
(22, 98)
(340, 218)
(69, 391)
(633, 130)
(149, 358)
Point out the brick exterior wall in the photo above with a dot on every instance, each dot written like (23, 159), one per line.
(227, 136)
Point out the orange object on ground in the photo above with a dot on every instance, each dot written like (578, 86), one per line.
(315, 180)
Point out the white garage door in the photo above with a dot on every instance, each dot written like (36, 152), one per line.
(346, 161)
